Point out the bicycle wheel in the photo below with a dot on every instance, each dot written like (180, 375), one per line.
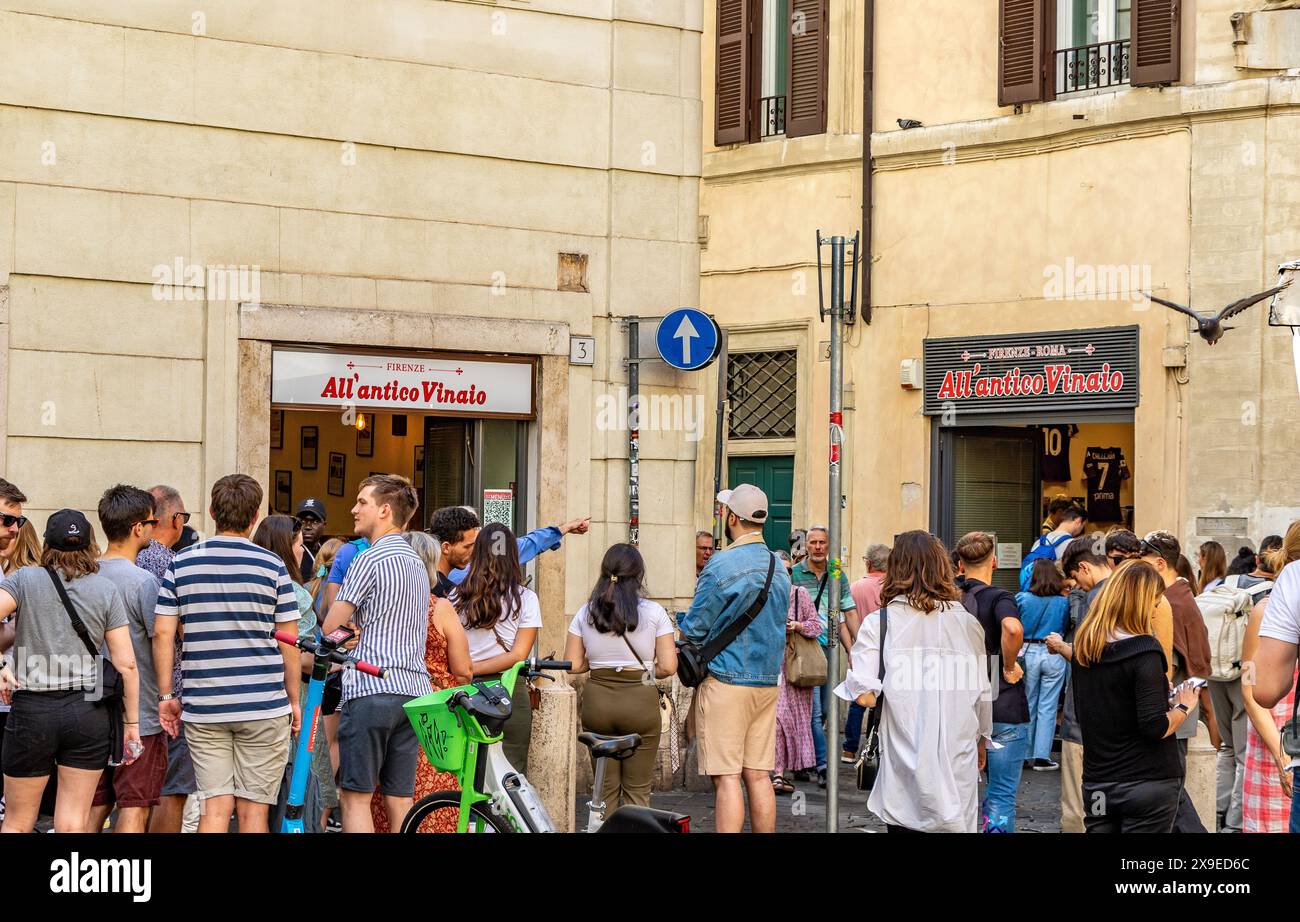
(439, 811)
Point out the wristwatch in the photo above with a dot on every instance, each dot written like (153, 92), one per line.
(1182, 707)
(170, 696)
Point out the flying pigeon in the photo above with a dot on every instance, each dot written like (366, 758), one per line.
(1211, 328)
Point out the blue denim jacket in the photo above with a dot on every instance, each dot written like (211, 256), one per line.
(727, 586)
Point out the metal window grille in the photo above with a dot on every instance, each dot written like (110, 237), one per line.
(761, 394)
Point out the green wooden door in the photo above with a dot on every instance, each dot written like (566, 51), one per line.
(774, 475)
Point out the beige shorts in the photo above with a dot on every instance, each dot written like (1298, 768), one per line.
(246, 758)
(735, 727)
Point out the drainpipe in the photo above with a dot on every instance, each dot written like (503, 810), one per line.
(868, 123)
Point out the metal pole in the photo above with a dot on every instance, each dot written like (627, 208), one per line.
(717, 441)
(833, 563)
(634, 430)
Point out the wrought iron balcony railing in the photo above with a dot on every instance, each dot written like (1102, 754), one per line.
(771, 111)
(1092, 67)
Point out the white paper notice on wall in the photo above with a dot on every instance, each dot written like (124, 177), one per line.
(1009, 555)
(499, 506)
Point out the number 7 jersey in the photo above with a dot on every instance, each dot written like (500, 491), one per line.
(1104, 468)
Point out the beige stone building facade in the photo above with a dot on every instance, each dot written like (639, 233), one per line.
(1025, 188)
(193, 195)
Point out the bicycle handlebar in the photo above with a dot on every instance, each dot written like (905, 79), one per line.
(557, 665)
(308, 645)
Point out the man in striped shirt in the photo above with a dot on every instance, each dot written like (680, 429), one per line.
(386, 595)
(241, 686)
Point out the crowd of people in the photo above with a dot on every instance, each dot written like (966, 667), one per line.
(145, 685)
(144, 679)
(1114, 645)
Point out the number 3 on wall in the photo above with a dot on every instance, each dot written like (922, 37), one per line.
(582, 350)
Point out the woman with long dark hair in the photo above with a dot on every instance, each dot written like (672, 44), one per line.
(1214, 565)
(626, 641)
(932, 732)
(501, 617)
(1043, 610)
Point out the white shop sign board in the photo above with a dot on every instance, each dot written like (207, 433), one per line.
(403, 383)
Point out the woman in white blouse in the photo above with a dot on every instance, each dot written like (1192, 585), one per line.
(627, 642)
(501, 617)
(936, 711)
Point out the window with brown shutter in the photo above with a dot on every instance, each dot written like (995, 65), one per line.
(1021, 32)
(809, 46)
(1156, 47)
(732, 99)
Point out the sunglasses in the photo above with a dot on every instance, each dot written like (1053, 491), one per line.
(9, 521)
(184, 516)
(147, 522)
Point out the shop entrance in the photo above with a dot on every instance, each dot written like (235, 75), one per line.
(1002, 479)
(452, 456)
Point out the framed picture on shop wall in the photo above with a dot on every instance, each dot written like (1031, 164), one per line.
(307, 451)
(337, 472)
(277, 430)
(419, 464)
(366, 435)
(284, 492)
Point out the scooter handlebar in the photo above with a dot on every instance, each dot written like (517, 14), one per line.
(295, 640)
(378, 672)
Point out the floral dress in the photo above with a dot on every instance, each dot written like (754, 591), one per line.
(427, 778)
(794, 739)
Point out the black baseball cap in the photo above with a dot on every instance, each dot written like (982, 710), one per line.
(68, 530)
(311, 506)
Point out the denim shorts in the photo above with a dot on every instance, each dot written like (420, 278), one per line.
(377, 746)
(52, 728)
(179, 781)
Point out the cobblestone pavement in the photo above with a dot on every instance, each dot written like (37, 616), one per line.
(1038, 806)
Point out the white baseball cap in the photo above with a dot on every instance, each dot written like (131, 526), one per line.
(747, 501)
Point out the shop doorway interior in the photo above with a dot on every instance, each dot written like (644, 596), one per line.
(1001, 479)
(324, 454)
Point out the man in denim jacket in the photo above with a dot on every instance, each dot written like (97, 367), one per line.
(736, 704)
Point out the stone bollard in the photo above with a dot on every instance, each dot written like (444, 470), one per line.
(1200, 777)
(552, 766)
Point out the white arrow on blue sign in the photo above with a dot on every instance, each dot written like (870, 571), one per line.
(688, 339)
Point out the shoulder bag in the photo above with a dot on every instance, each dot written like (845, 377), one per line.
(805, 661)
(868, 764)
(693, 660)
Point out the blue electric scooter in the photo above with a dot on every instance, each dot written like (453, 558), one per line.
(327, 651)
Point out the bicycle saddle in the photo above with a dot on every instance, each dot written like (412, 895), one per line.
(610, 747)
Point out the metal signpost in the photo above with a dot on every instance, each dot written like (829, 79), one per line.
(839, 313)
(687, 339)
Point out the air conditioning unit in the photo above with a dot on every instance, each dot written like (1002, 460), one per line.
(910, 375)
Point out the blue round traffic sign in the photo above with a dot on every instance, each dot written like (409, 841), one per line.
(688, 339)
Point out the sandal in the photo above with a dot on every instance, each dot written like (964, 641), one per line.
(782, 785)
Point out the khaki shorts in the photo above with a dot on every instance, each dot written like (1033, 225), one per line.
(246, 758)
(735, 727)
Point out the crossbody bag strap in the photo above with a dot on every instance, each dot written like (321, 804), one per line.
(77, 624)
(732, 630)
(821, 589)
(873, 718)
(636, 656)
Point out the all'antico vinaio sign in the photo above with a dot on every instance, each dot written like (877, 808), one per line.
(1033, 372)
(430, 384)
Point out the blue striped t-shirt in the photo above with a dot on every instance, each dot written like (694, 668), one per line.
(229, 594)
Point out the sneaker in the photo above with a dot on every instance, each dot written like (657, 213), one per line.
(1046, 765)
(821, 777)
(332, 824)
(848, 757)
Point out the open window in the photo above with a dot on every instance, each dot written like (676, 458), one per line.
(1049, 48)
(771, 69)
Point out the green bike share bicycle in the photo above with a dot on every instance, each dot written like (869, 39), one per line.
(460, 729)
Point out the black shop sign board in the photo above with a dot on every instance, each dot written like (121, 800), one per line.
(1033, 372)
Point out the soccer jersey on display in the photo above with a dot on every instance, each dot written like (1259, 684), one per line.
(1104, 468)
